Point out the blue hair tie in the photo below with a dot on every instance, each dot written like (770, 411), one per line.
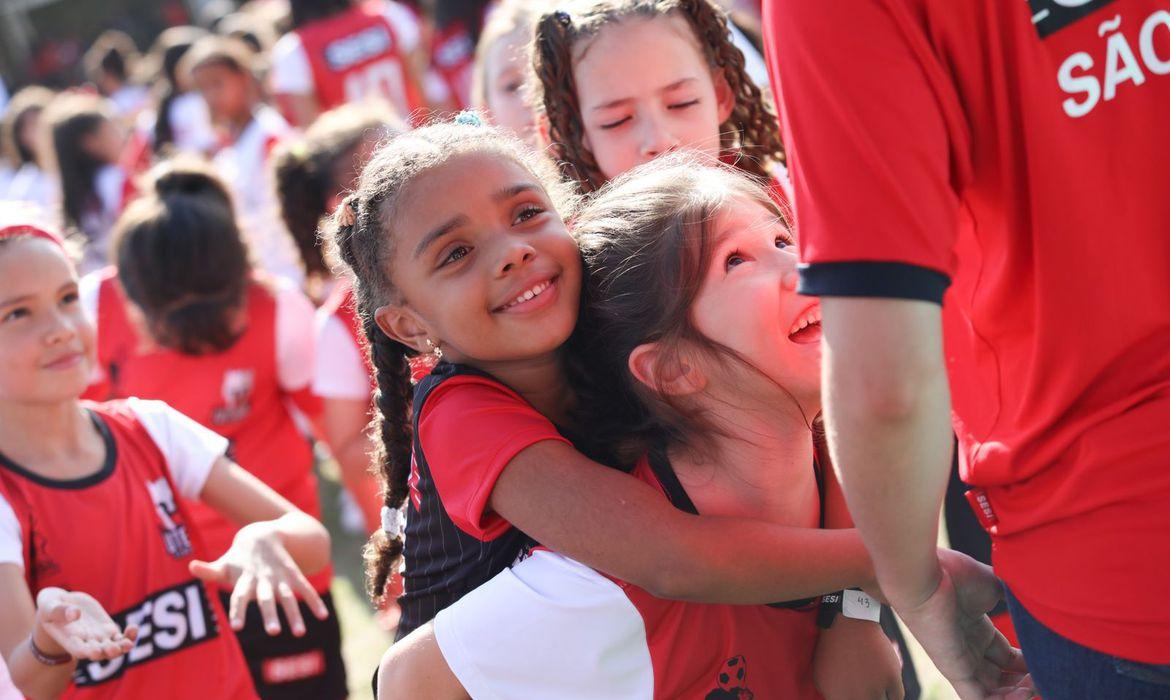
(468, 118)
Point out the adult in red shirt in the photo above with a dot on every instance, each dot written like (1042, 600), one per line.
(1016, 154)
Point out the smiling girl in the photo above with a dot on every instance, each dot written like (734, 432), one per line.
(87, 489)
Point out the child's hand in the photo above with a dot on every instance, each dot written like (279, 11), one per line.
(257, 566)
(854, 660)
(79, 626)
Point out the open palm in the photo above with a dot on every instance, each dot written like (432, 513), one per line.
(81, 626)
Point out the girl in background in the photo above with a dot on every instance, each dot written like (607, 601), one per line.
(180, 121)
(501, 80)
(343, 51)
(87, 489)
(111, 64)
(624, 81)
(86, 145)
(220, 69)
(24, 147)
(234, 351)
(312, 175)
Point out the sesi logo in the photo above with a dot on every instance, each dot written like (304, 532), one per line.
(1052, 15)
(168, 621)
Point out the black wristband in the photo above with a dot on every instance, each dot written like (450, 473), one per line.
(829, 609)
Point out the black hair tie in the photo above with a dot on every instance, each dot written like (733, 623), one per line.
(565, 19)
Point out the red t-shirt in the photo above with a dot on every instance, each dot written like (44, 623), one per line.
(354, 55)
(1018, 152)
(123, 536)
(236, 393)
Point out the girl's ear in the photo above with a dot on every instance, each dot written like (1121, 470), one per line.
(665, 373)
(724, 97)
(401, 324)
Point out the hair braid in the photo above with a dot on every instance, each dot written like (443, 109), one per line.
(393, 453)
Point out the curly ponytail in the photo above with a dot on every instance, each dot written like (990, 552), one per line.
(554, 71)
(751, 134)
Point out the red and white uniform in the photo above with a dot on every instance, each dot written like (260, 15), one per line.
(552, 627)
(354, 55)
(1015, 151)
(131, 517)
(243, 166)
(242, 393)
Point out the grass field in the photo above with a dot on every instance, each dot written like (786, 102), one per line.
(363, 642)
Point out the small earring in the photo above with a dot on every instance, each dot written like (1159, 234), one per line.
(435, 349)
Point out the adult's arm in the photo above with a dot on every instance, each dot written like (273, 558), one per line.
(878, 146)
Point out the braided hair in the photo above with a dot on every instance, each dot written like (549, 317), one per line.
(751, 133)
(363, 237)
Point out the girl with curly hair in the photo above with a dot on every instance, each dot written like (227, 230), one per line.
(621, 82)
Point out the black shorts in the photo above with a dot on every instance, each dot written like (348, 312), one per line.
(285, 667)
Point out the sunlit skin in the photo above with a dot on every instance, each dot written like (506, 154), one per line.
(48, 342)
(748, 302)
(505, 70)
(461, 262)
(227, 91)
(645, 88)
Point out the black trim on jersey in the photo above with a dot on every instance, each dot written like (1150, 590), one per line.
(84, 482)
(869, 278)
(677, 495)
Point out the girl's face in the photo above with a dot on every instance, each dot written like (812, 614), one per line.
(644, 88)
(484, 264)
(748, 302)
(227, 91)
(504, 76)
(46, 342)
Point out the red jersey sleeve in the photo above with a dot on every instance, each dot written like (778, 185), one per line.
(871, 147)
(470, 428)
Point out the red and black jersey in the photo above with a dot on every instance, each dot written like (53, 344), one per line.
(467, 426)
(124, 536)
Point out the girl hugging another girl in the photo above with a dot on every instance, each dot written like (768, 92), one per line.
(699, 364)
(477, 459)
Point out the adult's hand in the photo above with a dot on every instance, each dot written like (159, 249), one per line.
(953, 627)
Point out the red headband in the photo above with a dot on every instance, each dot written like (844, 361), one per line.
(14, 230)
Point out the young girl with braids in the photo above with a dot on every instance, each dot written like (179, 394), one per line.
(312, 174)
(690, 89)
(233, 350)
(488, 283)
(700, 366)
(104, 591)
